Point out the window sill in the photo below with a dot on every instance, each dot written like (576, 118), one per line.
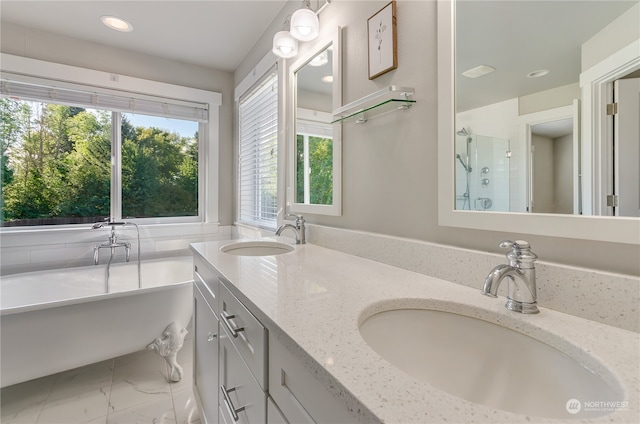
(24, 236)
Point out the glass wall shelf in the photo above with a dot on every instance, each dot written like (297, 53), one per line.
(383, 101)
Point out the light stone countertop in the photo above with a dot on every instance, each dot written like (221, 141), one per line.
(314, 299)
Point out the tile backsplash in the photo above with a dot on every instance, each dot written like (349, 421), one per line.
(29, 250)
(604, 297)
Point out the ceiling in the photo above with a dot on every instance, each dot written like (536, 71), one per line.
(214, 33)
(518, 37)
(220, 33)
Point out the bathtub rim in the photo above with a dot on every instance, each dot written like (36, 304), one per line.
(96, 297)
(92, 298)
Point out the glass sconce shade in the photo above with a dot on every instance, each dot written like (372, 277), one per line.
(304, 25)
(284, 45)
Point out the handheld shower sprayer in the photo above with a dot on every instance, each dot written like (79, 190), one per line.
(464, 133)
(105, 223)
(465, 166)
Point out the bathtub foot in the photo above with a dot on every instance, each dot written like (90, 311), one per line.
(168, 346)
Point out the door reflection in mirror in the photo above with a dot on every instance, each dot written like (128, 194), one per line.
(626, 148)
(552, 167)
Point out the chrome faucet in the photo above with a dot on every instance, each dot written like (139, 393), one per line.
(521, 271)
(112, 243)
(298, 228)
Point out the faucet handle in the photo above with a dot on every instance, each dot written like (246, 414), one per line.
(299, 219)
(520, 252)
(518, 244)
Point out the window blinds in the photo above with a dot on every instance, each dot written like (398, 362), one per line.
(313, 128)
(258, 158)
(98, 98)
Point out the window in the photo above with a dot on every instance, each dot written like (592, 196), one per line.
(258, 153)
(159, 167)
(63, 163)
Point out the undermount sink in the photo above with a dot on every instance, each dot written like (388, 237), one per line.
(257, 248)
(485, 363)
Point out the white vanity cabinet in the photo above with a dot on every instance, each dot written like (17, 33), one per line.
(248, 335)
(298, 394)
(230, 354)
(274, 414)
(242, 400)
(242, 362)
(206, 329)
(245, 374)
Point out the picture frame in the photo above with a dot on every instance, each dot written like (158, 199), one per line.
(382, 41)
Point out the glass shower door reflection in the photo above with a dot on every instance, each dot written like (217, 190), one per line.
(482, 173)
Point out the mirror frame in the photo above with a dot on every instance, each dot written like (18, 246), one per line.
(335, 209)
(597, 228)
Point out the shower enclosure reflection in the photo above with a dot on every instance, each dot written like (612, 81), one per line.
(482, 172)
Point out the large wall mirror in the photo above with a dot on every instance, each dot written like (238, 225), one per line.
(527, 141)
(314, 142)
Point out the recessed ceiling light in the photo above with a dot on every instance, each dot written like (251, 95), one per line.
(116, 23)
(327, 79)
(537, 74)
(478, 71)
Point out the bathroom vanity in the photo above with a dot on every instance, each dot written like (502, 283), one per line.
(279, 339)
(243, 371)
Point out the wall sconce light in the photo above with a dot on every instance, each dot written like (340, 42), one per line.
(284, 45)
(304, 26)
(304, 23)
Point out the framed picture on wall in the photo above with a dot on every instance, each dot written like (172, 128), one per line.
(382, 37)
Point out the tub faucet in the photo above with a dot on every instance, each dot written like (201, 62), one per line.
(298, 228)
(521, 273)
(112, 243)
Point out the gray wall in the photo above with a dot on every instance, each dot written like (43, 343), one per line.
(21, 41)
(390, 167)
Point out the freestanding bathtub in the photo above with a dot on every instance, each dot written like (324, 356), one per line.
(60, 319)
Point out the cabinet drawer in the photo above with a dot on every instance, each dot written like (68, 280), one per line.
(240, 393)
(207, 281)
(274, 415)
(246, 332)
(299, 395)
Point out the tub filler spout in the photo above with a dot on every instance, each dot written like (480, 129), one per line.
(112, 243)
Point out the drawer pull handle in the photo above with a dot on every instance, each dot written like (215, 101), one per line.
(227, 402)
(225, 319)
(211, 336)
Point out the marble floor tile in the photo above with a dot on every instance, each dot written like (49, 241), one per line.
(157, 411)
(79, 395)
(79, 408)
(22, 403)
(129, 389)
(184, 404)
(93, 377)
(137, 379)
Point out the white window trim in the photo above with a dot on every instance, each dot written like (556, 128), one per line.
(208, 180)
(263, 66)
